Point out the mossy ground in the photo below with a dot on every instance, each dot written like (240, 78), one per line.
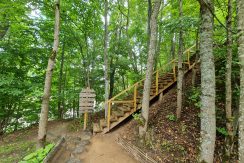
(13, 152)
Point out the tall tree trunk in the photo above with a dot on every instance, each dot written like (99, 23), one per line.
(180, 68)
(150, 63)
(123, 80)
(158, 47)
(208, 119)
(106, 57)
(47, 87)
(172, 48)
(240, 26)
(60, 108)
(112, 76)
(228, 86)
(130, 51)
(149, 13)
(194, 70)
(88, 63)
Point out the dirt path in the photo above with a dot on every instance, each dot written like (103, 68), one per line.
(104, 149)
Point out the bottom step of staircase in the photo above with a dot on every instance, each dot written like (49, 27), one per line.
(96, 128)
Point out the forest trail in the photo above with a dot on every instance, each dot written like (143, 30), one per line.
(104, 149)
(97, 149)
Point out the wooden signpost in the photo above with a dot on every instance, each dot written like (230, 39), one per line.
(86, 103)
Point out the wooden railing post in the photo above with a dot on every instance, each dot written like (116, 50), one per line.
(135, 96)
(109, 111)
(157, 82)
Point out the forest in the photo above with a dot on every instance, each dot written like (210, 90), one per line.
(167, 75)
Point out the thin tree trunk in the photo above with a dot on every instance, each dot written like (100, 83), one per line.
(88, 62)
(130, 51)
(123, 81)
(106, 57)
(208, 119)
(60, 108)
(228, 86)
(172, 48)
(180, 68)
(194, 70)
(149, 13)
(240, 26)
(112, 76)
(47, 88)
(150, 63)
(158, 47)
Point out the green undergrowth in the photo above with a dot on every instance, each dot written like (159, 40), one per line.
(76, 125)
(138, 118)
(194, 97)
(14, 152)
(38, 155)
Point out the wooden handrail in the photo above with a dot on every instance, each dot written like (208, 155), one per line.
(125, 101)
(135, 86)
(132, 86)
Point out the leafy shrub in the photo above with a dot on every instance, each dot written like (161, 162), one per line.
(222, 131)
(171, 117)
(138, 118)
(38, 155)
(76, 125)
(194, 96)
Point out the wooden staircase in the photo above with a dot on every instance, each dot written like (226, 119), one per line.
(129, 101)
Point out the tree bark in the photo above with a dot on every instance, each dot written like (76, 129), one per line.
(180, 68)
(47, 87)
(158, 45)
(208, 119)
(228, 86)
(60, 107)
(194, 70)
(149, 13)
(150, 63)
(112, 76)
(172, 47)
(240, 27)
(106, 66)
(130, 51)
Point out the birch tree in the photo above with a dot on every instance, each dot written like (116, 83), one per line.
(208, 119)
(42, 132)
(106, 77)
(240, 26)
(150, 63)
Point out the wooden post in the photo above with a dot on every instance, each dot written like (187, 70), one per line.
(108, 116)
(85, 120)
(157, 82)
(135, 95)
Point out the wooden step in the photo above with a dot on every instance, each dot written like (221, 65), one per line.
(128, 105)
(118, 113)
(124, 109)
(113, 118)
(103, 123)
(96, 128)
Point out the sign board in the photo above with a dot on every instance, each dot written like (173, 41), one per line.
(87, 100)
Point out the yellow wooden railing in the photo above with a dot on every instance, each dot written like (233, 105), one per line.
(185, 59)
